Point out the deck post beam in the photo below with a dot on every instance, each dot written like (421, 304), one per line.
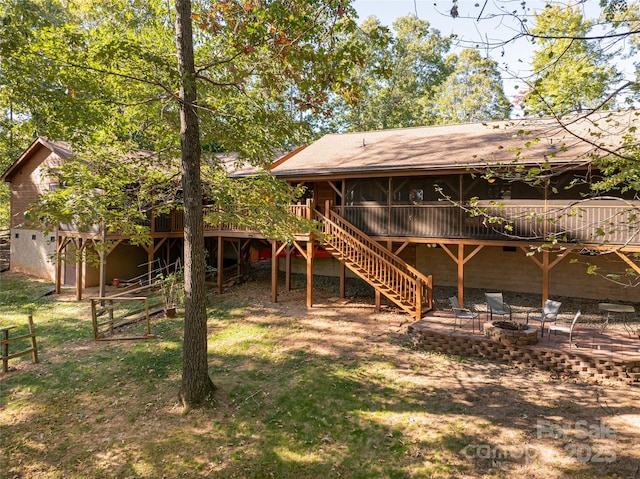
(79, 262)
(460, 260)
(63, 241)
(103, 262)
(287, 263)
(628, 260)
(310, 255)
(150, 256)
(545, 275)
(343, 280)
(275, 251)
(274, 271)
(220, 264)
(546, 266)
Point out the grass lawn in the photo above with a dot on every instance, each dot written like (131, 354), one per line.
(331, 392)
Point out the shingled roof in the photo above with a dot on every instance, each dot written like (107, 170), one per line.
(59, 148)
(459, 147)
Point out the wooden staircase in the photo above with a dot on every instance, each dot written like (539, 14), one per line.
(386, 272)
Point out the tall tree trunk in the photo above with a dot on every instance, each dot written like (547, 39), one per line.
(196, 386)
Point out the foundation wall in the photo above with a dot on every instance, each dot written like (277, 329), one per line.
(494, 268)
(32, 253)
(504, 269)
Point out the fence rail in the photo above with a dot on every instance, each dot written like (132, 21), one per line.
(107, 317)
(6, 341)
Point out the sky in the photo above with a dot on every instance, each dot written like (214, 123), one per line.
(514, 59)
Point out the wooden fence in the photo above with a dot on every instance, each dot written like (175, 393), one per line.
(108, 314)
(6, 341)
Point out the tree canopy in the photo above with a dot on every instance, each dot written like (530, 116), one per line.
(105, 78)
(472, 92)
(571, 75)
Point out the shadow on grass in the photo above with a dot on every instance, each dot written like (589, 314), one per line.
(295, 400)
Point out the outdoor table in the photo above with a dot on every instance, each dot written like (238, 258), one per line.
(622, 309)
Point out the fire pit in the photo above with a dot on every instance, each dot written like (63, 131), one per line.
(510, 332)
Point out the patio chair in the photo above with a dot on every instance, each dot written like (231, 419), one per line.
(462, 314)
(548, 313)
(496, 305)
(564, 328)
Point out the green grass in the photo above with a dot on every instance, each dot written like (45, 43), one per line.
(285, 406)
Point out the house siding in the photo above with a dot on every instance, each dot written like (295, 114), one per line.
(29, 182)
(496, 269)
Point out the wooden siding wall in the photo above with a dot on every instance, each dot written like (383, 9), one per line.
(29, 182)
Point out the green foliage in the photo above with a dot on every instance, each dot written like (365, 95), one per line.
(116, 188)
(257, 202)
(105, 80)
(171, 288)
(398, 79)
(473, 92)
(572, 73)
(5, 204)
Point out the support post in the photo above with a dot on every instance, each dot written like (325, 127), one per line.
(59, 265)
(287, 259)
(239, 259)
(150, 256)
(220, 263)
(310, 246)
(460, 263)
(5, 348)
(343, 280)
(545, 276)
(419, 298)
(79, 262)
(32, 333)
(274, 271)
(103, 263)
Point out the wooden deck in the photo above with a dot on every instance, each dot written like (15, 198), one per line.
(612, 353)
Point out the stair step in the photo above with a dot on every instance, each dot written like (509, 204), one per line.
(354, 260)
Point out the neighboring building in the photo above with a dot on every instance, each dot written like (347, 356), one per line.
(31, 249)
(411, 192)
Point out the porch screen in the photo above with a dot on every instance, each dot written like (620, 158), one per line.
(367, 204)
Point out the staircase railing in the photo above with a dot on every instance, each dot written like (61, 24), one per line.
(403, 284)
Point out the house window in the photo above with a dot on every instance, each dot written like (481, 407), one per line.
(17, 235)
(33, 237)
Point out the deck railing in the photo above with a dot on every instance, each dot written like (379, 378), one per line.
(174, 223)
(595, 221)
(400, 282)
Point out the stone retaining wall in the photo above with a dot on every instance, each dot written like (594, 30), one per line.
(544, 358)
